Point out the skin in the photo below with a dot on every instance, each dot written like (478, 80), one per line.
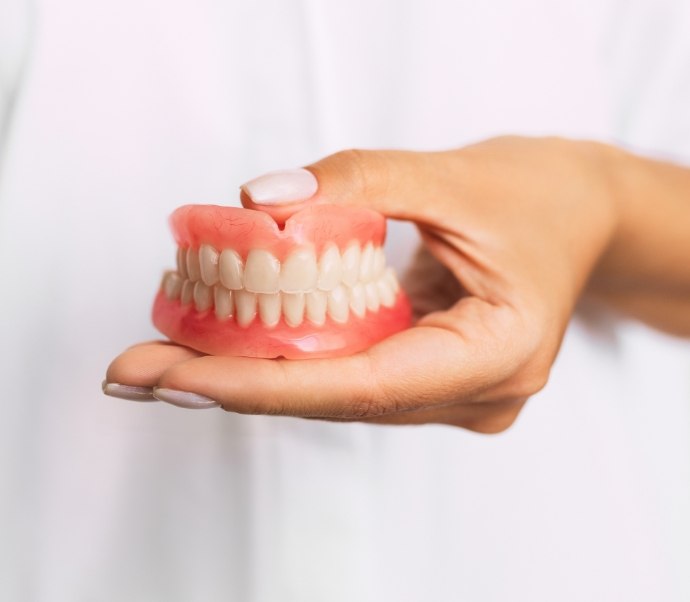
(515, 231)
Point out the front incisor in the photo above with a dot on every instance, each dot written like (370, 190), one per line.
(299, 273)
(230, 269)
(261, 272)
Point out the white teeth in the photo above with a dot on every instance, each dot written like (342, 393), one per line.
(316, 302)
(351, 264)
(299, 272)
(358, 303)
(293, 308)
(366, 265)
(330, 269)
(372, 296)
(245, 307)
(203, 296)
(172, 285)
(223, 301)
(269, 309)
(182, 262)
(261, 272)
(386, 294)
(337, 304)
(187, 293)
(230, 267)
(193, 269)
(392, 280)
(379, 263)
(208, 262)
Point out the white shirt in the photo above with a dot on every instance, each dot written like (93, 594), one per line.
(115, 113)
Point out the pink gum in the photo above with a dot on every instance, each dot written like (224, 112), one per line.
(246, 229)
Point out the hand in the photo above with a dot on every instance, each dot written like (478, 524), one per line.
(512, 230)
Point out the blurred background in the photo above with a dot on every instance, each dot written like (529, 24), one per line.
(114, 113)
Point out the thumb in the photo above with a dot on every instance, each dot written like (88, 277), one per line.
(397, 184)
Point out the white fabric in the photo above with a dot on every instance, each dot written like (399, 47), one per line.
(127, 109)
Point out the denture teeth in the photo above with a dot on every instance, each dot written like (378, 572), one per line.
(351, 264)
(245, 307)
(386, 294)
(338, 304)
(392, 280)
(203, 296)
(182, 262)
(299, 272)
(223, 302)
(379, 263)
(366, 265)
(358, 303)
(269, 308)
(293, 308)
(316, 302)
(330, 269)
(193, 268)
(372, 296)
(187, 293)
(208, 262)
(172, 285)
(261, 272)
(230, 269)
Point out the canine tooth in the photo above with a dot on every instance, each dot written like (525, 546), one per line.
(193, 268)
(172, 285)
(330, 269)
(337, 304)
(203, 296)
(391, 278)
(358, 302)
(372, 296)
(386, 294)
(299, 272)
(223, 302)
(269, 308)
(316, 302)
(366, 264)
(208, 262)
(379, 263)
(351, 264)
(187, 293)
(182, 262)
(261, 272)
(230, 269)
(245, 307)
(293, 308)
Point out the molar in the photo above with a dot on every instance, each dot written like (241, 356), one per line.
(182, 262)
(269, 309)
(358, 303)
(172, 285)
(245, 307)
(351, 264)
(299, 272)
(261, 272)
(372, 296)
(230, 269)
(337, 304)
(330, 269)
(187, 293)
(193, 268)
(366, 265)
(223, 302)
(390, 277)
(208, 262)
(316, 302)
(379, 263)
(386, 294)
(293, 308)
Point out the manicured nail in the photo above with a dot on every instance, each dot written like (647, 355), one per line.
(184, 399)
(282, 187)
(128, 392)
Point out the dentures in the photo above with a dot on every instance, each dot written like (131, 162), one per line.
(317, 288)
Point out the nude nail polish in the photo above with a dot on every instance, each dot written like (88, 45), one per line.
(128, 392)
(184, 399)
(281, 187)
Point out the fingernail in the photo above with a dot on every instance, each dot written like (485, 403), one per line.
(184, 399)
(282, 187)
(128, 392)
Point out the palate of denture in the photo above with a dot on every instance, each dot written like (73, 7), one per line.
(316, 288)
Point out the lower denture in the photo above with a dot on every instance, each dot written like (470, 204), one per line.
(317, 288)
